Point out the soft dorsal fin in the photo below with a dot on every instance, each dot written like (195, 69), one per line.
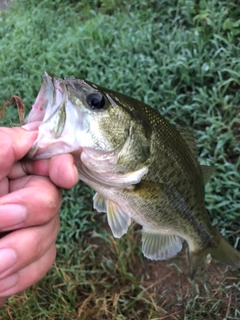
(159, 246)
(118, 219)
(190, 140)
(207, 171)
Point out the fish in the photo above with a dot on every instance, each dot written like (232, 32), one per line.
(142, 168)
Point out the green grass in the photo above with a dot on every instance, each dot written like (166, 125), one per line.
(182, 58)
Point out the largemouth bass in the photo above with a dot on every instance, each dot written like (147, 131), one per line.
(142, 168)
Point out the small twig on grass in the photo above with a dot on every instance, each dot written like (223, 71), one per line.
(167, 316)
(20, 106)
(228, 306)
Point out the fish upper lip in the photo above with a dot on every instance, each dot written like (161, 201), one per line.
(53, 94)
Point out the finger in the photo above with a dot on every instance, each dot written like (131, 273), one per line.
(23, 168)
(32, 125)
(4, 186)
(33, 200)
(27, 276)
(61, 169)
(15, 143)
(22, 247)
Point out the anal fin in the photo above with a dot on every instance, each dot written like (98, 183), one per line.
(160, 246)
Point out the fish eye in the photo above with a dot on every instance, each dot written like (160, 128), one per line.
(96, 100)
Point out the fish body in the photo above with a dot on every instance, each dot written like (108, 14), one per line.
(142, 168)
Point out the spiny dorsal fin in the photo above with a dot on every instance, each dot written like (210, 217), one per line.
(207, 171)
(189, 138)
(159, 246)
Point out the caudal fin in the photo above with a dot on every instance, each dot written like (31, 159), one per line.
(223, 252)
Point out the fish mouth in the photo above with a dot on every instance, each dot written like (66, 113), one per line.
(55, 113)
(51, 107)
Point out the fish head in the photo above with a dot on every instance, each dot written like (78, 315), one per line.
(93, 123)
(76, 114)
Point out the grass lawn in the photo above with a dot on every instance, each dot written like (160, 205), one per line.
(182, 58)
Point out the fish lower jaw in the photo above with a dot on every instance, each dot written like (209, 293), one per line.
(43, 149)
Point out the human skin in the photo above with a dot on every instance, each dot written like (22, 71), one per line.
(30, 199)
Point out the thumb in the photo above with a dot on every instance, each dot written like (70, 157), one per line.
(14, 144)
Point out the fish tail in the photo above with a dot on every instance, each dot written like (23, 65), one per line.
(222, 251)
(225, 253)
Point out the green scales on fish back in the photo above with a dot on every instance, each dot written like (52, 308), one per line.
(142, 168)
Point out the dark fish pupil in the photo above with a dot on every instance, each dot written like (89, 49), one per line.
(95, 100)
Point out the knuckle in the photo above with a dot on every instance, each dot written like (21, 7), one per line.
(51, 202)
(52, 197)
(46, 202)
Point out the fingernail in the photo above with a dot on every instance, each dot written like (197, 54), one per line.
(11, 215)
(8, 282)
(31, 126)
(27, 126)
(7, 259)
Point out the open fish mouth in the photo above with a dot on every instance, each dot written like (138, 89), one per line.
(44, 100)
(51, 108)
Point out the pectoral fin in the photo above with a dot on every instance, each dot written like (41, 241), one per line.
(159, 246)
(99, 203)
(118, 219)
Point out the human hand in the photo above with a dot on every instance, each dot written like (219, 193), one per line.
(29, 205)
